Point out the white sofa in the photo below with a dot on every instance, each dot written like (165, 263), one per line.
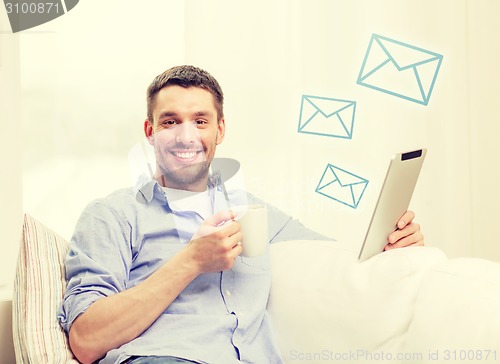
(407, 305)
(411, 305)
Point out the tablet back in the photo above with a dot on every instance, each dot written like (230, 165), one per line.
(393, 200)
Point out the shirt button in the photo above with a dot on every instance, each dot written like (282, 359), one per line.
(228, 292)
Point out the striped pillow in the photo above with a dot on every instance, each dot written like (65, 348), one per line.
(38, 291)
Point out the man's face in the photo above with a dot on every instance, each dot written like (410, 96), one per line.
(184, 134)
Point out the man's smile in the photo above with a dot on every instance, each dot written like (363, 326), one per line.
(186, 155)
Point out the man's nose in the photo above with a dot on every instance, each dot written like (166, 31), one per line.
(187, 133)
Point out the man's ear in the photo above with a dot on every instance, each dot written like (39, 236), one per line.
(148, 131)
(221, 131)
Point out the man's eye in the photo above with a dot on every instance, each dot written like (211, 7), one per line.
(201, 122)
(169, 122)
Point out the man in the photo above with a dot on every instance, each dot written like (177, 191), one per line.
(155, 273)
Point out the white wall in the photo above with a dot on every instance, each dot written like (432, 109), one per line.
(484, 119)
(83, 79)
(11, 141)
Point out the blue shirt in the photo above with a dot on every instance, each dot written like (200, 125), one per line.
(218, 318)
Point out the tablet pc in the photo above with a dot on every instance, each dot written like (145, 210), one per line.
(393, 201)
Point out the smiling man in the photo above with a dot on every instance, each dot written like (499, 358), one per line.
(154, 272)
(184, 128)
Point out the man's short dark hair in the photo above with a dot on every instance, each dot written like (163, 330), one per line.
(185, 76)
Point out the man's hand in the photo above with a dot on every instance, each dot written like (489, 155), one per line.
(216, 244)
(407, 234)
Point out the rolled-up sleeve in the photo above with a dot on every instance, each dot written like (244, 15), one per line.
(98, 260)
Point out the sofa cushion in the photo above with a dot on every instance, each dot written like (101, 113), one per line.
(325, 305)
(38, 291)
(457, 313)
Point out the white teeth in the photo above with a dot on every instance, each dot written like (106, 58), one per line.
(188, 155)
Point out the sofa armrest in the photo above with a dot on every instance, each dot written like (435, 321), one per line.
(6, 343)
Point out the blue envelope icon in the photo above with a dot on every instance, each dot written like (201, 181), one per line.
(327, 117)
(399, 69)
(342, 186)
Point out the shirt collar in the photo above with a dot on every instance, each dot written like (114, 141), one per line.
(148, 188)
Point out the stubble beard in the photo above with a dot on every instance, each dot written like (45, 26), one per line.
(180, 178)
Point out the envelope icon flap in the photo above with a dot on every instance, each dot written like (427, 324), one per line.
(405, 55)
(346, 178)
(337, 175)
(327, 106)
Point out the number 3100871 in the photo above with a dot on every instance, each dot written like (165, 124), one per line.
(32, 8)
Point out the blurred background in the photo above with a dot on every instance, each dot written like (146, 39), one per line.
(73, 105)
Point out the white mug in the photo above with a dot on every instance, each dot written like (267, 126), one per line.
(254, 229)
